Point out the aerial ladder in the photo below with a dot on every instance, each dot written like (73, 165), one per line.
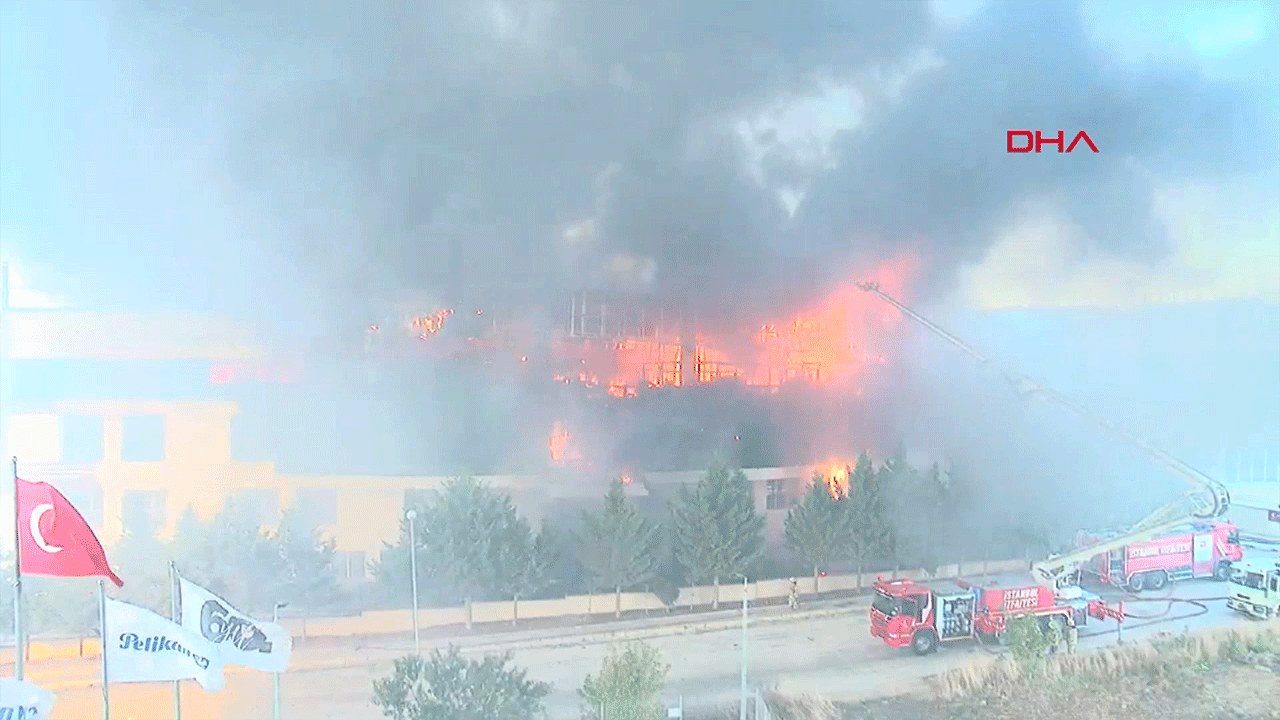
(1207, 499)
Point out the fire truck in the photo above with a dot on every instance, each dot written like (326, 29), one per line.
(1195, 550)
(923, 615)
(1206, 501)
(1255, 588)
(1056, 577)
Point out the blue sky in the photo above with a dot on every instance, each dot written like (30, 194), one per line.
(71, 130)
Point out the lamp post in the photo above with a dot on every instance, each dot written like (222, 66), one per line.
(742, 706)
(412, 517)
(275, 677)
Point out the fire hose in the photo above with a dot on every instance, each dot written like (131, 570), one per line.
(1200, 608)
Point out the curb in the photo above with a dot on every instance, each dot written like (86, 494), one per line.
(666, 630)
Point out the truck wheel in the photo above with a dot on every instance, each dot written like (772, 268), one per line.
(1137, 583)
(1221, 571)
(924, 642)
(1158, 580)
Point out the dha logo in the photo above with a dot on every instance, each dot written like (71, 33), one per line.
(20, 713)
(158, 644)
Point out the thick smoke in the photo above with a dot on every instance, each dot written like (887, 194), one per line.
(480, 150)
(347, 156)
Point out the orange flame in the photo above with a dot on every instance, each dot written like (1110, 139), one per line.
(833, 343)
(558, 442)
(836, 475)
(428, 325)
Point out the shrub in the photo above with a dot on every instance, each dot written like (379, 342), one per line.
(447, 686)
(628, 686)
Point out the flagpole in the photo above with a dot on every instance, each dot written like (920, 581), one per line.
(102, 619)
(176, 612)
(19, 632)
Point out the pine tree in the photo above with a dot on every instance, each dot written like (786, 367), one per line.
(820, 529)
(718, 533)
(872, 531)
(617, 547)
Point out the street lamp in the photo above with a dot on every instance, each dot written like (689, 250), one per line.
(742, 705)
(412, 517)
(275, 677)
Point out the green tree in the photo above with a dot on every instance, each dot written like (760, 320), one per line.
(820, 529)
(872, 531)
(447, 686)
(304, 573)
(916, 512)
(617, 546)
(472, 544)
(524, 560)
(231, 555)
(629, 685)
(718, 533)
(1028, 642)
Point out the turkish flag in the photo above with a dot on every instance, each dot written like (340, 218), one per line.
(54, 538)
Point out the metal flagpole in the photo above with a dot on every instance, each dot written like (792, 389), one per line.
(102, 619)
(742, 705)
(176, 612)
(19, 631)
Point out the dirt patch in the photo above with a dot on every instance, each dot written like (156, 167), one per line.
(1223, 675)
(1229, 693)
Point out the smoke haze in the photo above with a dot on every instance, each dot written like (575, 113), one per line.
(312, 171)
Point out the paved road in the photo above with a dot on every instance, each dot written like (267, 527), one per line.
(831, 655)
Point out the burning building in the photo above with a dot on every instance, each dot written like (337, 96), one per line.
(628, 381)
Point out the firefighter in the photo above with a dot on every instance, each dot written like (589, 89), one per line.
(1073, 634)
(793, 597)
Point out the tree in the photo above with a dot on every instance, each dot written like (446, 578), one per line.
(1028, 642)
(628, 686)
(820, 529)
(872, 532)
(472, 544)
(916, 511)
(304, 558)
(718, 533)
(618, 547)
(447, 686)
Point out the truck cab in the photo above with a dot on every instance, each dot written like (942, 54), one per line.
(1254, 588)
(906, 613)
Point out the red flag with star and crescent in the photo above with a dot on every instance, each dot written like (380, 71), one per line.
(54, 538)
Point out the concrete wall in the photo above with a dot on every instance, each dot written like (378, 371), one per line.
(384, 622)
(387, 622)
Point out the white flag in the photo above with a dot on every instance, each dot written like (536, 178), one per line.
(142, 646)
(23, 701)
(241, 640)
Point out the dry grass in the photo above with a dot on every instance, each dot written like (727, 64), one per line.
(1257, 643)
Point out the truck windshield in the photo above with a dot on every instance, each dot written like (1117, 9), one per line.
(1251, 580)
(886, 605)
(1233, 537)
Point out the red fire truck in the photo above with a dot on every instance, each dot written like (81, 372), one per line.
(1194, 550)
(922, 615)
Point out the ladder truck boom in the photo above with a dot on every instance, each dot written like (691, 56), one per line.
(1207, 499)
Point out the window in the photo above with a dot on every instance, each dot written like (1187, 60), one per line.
(262, 505)
(81, 439)
(87, 498)
(143, 438)
(142, 512)
(317, 506)
(775, 499)
(350, 565)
